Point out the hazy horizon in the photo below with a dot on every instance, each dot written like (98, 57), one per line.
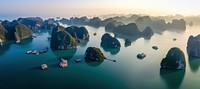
(11, 9)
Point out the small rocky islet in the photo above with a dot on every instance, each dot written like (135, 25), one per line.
(127, 42)
(111, 42)
(130, 29)
(175, 59)
(94, 54)
(193, 46)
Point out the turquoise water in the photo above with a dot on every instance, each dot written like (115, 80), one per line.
(22, 71)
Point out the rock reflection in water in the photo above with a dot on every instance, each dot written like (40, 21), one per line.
(194, 64)
(173, 78)
(66, 54)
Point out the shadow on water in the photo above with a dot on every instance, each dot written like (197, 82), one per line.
(147, 37)
(132, 38)
(181, 31)
(113, 51)
(66, 54)
(55, 65)
(83, 43)
(161, 31)
(194, 64)
(26, 41)
(92, 63)
(173, 78)
(35, 68)
(5, 47)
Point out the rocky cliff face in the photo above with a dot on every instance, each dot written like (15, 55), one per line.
(68, 38)
(160, 24)
(32, 22)
(78, 32)
(3, 32)
(22, 32)
(129, 30)
(16, 30)
(193, 46)
(61, 39)
(177, 24)
(148, 32)
(108, 41)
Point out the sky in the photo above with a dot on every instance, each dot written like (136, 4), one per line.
(68, 8)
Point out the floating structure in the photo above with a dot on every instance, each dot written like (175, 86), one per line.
(37, 52)
(18, 41)
(44, 50)
(1, 42)
(28, 52)
(34, 36)
(63, 63)
(44, 66)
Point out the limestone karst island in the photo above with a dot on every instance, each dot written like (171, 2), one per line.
(99, 44)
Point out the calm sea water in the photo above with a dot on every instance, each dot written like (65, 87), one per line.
(21, 71)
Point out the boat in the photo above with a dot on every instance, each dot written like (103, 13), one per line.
(1, 41)
(155, 47)
(18, 41)
(44, 50)
(35, 52)
(63, 63)
(28, 52)
(34, 36)
(77, 60)
(44, 66)
(111, 60)
(141, 55)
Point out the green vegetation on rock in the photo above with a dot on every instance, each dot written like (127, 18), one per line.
(15, 31)
(21, 32)
(3, 32)
(94, 54)
(61, 39)
(78, 32)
